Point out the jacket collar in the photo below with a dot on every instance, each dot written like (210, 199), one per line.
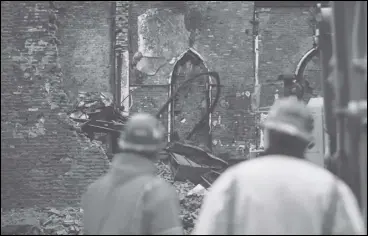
(275, 151)
(133, 163)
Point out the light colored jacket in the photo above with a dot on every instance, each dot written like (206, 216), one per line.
(131, 199)
(278, 195)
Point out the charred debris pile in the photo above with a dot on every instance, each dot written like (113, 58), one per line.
(189, 168)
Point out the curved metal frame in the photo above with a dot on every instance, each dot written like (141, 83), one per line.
(303, 62)
(216, 76)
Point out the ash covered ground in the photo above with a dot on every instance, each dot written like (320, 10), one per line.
(68, 221)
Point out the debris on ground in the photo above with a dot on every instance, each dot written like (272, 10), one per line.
(47, 221)
(65, 222)
(95, 106)
(89, 103)
(199, 155)
(68, 221)
(190, 202)
(197, 190)
(20, 230)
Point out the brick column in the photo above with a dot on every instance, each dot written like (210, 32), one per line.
(122, 28)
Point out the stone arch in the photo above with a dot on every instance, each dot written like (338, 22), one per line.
(192, 102)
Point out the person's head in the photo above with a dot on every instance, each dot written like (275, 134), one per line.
(278, 142)
(143, 134)
(288, 127)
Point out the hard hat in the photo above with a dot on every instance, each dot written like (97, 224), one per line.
(290, 116)
(142, 133)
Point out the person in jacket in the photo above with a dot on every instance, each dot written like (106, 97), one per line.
(130, 198)
(281, 192)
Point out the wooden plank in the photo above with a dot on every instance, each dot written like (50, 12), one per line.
(182, 160)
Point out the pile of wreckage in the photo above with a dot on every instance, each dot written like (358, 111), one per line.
(52, 222)
(190, 168)
(193, 163)
(96, 114)
(66, 222)
(190, 196)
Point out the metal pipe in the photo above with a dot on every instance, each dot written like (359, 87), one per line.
(169, 110)
(256, 58)
(360, 53)
(130, 52)
(209, 102)
(325, 50)
(358, 103)
(119, 64)
(256, 68)
(358, 87)
(341, 76)
(255, 34)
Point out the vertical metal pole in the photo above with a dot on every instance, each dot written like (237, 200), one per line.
(325, 49)
(360, 52)
(358, 86)
(209, 102)
(358, 136)
(341, 77)
(130, 53)
(119, 64)
(169, 112)
(363, 171)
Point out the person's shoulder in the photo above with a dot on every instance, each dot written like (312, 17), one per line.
(226, 181)
(343, 189)
(276, 165)
(161, 188)
(93, 188)
(98, 184)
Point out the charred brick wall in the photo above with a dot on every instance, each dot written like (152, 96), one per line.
(222, 33)
(85, 49)
(43, 161)
(286, 34)
(49, 52)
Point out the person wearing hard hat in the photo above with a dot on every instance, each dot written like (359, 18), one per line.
(131, 198)
(281, 192)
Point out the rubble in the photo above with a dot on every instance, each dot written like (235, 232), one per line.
(45, 221)
(190, 202)
(89, 103)
(68, 221)
(94, 106)
(198, 190)
(65, 222)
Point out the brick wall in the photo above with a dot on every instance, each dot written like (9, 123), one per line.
(85, 48)
(50, 52)
(43, 161)
(224, 39)
(286, 34)
(149, 99)
(222, 34)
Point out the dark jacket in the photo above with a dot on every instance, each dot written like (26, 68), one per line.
(131, 199)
